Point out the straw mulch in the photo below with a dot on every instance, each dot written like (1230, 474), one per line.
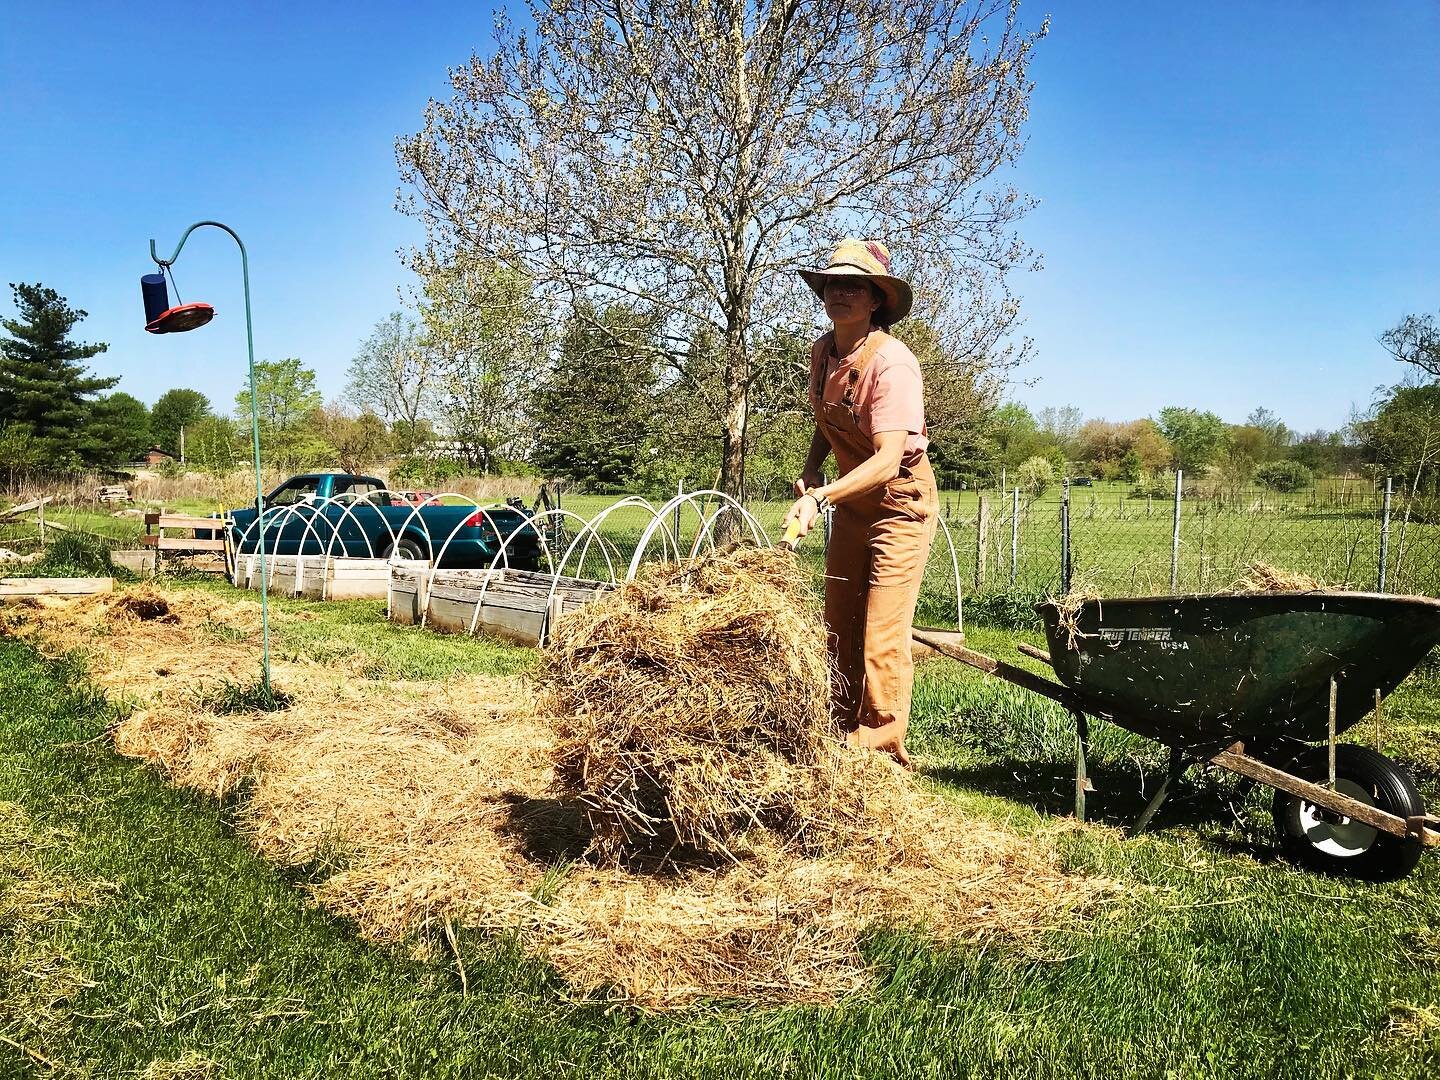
(424, 806)
(1257, 577)
(1261, 577)
(692, 706)
(130, 637)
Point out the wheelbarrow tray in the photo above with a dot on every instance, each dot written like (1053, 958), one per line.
(1203, 672)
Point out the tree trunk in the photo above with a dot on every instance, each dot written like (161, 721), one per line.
(737, 406)
(732, 450)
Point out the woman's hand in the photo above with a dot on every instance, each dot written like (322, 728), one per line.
(804, 511)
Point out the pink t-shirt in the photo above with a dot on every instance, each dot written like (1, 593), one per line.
(890, 395)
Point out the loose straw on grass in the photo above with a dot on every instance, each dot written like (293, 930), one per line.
(412, 805)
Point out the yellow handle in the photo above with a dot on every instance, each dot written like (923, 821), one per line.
(792, 535)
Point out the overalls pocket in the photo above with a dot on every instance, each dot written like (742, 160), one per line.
(906, 495)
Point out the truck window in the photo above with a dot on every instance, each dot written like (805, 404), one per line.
(353, 491)
(301, 489)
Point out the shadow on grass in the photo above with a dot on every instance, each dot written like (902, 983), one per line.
(1198, 801)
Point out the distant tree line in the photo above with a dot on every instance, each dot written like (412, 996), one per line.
(1052, 443)
(476, 378)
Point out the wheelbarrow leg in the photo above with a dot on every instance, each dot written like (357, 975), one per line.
(1082, 750)
(1177, 766)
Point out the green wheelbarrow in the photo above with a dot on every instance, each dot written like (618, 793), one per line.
(1259, 684)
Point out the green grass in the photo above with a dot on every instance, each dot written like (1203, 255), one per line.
(334, 630)
(23, 535)
(141, 932)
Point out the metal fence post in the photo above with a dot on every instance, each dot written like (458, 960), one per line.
(1385, 532)
(982, 528)
(1014, 533)
(679, 491)
(1175, 533)
(1065, 538)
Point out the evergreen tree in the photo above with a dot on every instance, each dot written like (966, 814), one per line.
(44, 384)
(118, 430)
(593, 412)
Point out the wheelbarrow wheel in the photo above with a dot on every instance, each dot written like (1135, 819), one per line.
(1335, 844)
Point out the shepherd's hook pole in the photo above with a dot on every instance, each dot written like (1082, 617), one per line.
(254, 432)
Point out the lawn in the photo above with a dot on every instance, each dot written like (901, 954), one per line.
(143, 938)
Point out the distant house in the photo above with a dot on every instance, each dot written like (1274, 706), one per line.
(154, 456)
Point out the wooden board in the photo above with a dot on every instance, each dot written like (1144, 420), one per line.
(1236, 760)
(183, 521)
(51, 586)
(341, 578)
(919, 650)
(181, 543)
(25, 508)
(514, 604)
(141, 561)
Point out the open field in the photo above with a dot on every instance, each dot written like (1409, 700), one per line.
(141, 933)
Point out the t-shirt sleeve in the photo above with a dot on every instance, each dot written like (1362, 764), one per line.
(898, 403)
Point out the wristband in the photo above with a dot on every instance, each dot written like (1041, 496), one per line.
(821, 502)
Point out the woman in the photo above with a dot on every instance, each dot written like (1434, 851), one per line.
(866, 391)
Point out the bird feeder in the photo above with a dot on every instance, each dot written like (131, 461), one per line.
(161, 317)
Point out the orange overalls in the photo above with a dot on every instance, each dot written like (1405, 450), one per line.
(879, 545)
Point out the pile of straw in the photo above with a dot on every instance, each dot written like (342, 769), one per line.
(1257, 577)
(1261, 577)
(416, 807)
(691, 705)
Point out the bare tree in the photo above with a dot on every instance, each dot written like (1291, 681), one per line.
(684, 158)
(1062, 423)
(1415, 339)
(489, 346)
(393, 375)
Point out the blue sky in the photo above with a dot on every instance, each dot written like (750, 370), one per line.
(1235, 199)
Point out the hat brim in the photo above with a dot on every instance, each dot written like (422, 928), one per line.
(898, 297)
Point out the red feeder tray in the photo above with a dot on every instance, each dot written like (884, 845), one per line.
(180, 318)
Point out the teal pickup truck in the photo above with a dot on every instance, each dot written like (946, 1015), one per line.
(342, 514)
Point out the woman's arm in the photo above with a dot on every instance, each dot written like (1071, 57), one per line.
(881, 466)
(819, 451)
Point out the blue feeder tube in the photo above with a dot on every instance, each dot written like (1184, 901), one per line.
(156, 294)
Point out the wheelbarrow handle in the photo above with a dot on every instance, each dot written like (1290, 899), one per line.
(1009, 672)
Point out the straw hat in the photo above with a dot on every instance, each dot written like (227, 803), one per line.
(872, 259)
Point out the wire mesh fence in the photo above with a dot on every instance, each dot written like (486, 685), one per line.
(1004, 547)
(1121, 543)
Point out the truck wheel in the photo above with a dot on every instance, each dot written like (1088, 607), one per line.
(405, 548)
(1335, 844)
